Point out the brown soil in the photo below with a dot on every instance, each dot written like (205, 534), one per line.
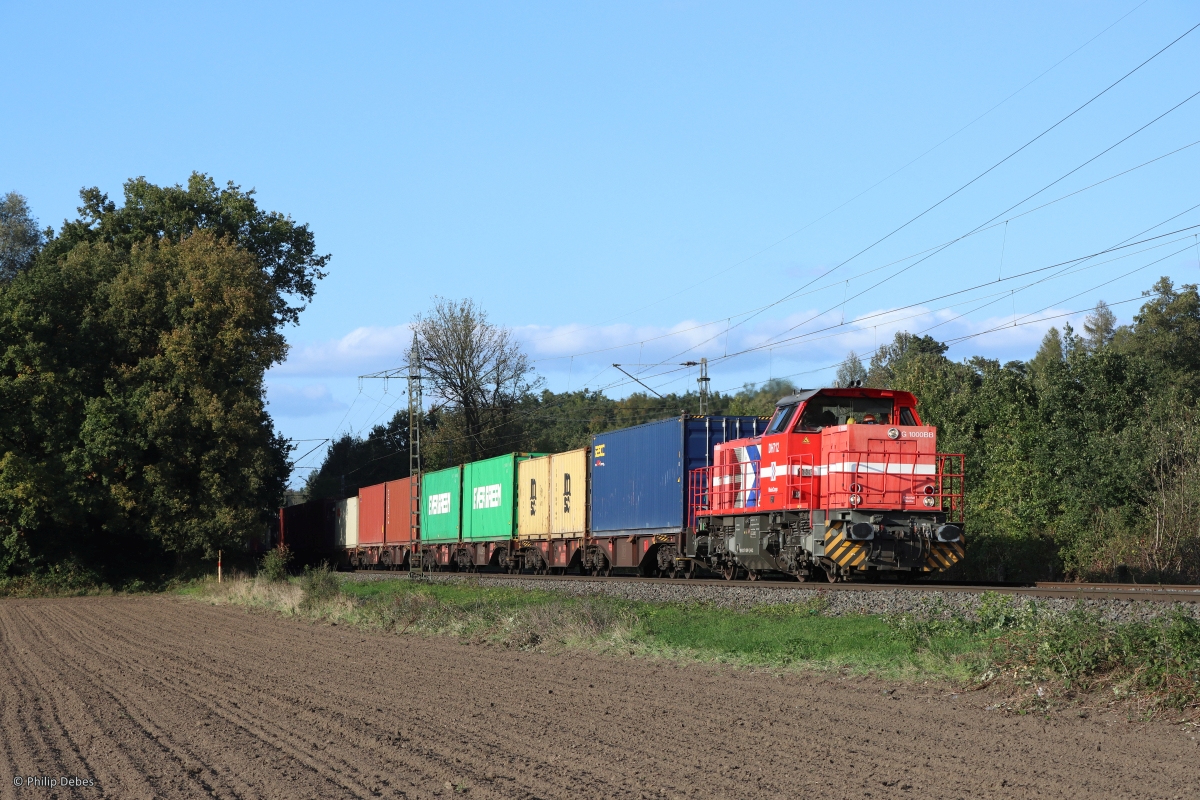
(166, 697)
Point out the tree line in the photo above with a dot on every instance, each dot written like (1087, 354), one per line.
(134, 432)
(1082, 461)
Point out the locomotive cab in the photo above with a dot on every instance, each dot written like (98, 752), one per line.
(843, 483)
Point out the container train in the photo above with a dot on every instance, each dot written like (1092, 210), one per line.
(838, 484)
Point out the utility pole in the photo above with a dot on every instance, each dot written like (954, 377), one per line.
(414, 457)
(702, 381)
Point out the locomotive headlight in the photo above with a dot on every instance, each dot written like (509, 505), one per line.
(929, 502)
(893, 433)
(856, 499)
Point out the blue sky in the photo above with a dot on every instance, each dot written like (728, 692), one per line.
(627, 182)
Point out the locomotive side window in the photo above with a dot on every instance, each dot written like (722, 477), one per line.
(783, 416)
(821, 411)
(906, 416)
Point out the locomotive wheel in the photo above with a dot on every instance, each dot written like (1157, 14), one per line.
(753, 574)
(831, 574)
(728, 571)
(689, 571)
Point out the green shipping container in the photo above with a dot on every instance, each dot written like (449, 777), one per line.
(489, 495)
(441, 505)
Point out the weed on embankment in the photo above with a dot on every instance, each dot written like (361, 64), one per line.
(1042, 658)
(1146, 667)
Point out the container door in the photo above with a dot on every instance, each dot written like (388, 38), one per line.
(488, 499)
(534, 498)
(441, 505)
(352, 522)
(399, 522)
(372, 505)
(568, 506)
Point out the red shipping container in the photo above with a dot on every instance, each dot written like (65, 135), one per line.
(399, 505)
(372, 510)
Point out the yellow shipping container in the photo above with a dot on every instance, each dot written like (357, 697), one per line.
(568, 517)
(533, 498)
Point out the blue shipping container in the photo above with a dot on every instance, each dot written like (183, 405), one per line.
(639, 475)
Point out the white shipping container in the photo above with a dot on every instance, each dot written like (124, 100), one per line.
(345, 515)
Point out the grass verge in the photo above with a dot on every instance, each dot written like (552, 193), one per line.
(1042, 660)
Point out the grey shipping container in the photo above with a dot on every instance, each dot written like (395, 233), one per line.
(639, 474)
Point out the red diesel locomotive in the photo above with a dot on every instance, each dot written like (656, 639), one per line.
(845, 483)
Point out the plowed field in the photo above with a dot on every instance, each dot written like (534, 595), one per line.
(166, 697)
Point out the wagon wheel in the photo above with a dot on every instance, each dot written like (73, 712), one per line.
(728, 571)
(689, 571)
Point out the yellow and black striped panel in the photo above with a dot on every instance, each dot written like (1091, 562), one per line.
(843, 552)
(944, 555)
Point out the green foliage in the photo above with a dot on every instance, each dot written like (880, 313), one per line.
(851, 370)
(285, 251)
(274, 564)
(1160, 658)
(64, 579)
(352, 462)
(133, 425)
(546, 422)
(320, 585)
(1080, 461)
(20, 238)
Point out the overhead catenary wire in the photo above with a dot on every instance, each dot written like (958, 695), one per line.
(955, 341)
(1068, 262)
(807, 337)
(901, 271)
(978, 177)
(728, 320)
(354, 403)
(881, 181)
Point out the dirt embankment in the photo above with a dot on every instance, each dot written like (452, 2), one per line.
(164, 697)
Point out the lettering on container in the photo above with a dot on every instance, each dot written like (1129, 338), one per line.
(599, 451)
(532, 497)
(486, 497)
(439, 503)
(566, 493)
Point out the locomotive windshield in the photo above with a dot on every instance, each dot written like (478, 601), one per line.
(783, 416)
(822, 411)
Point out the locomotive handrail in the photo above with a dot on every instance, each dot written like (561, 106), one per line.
(868, 474)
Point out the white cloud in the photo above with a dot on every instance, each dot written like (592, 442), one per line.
(367, 349)
(576, 354)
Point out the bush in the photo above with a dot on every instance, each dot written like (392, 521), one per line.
(62, 580)
(1159, 659)
(319, 585)
(274, 565)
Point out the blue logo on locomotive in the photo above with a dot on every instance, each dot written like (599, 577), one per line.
(746, 478)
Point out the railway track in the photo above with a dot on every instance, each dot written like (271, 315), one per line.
(1159, 593)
